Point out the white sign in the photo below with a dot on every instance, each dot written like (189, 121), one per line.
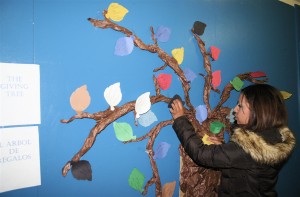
(19, 158)
(19, 94)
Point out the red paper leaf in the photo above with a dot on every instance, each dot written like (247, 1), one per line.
(164, 81)
(216, 78)
(257, 74)
(214, 52)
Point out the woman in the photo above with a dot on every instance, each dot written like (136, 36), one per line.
(259, 145)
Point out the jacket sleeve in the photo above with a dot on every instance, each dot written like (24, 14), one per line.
(216, 156)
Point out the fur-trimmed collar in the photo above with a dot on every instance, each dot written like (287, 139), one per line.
(260, 150)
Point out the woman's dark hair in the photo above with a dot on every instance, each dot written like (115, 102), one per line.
(267, 108)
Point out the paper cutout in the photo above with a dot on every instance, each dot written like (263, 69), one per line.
(147, 119)
(285, 94)
(189, 74)
(161, 150)
(163, 34)
(123, 131)
(257, 74)
(215, 52)
(136, 180)
(80, 99)
(113, 95)
(19, 94)
(199, 27)
(216, 78)
(178, 54)
(82, 170)
(205, 140)
(124, 46)
(237, 83)
(201, 113)
(168, 189)
(164, 81)
(216, 126)
(226, 136)
(142, 104)
(116, 12)
(19, 158)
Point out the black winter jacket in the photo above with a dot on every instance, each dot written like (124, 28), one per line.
(249, 163)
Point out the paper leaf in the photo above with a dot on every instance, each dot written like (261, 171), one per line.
(113, 95)
(124, 46)
(163, 34)
(136, 180)
(216, 126)
(168, 189)
(80, 99)
(142, 104)
(178, 54)
(123, 131)
(257, 74)
(201, 113)
(161, 150)
(164, 81)
(116, 12)
(189, 74)
(205, 140)
(237, 83)
(215, 52)
(199, 27)
(285, 94)
(147, 119)
(226, 136)
(216, 78)
(230, 116)
(81, 170)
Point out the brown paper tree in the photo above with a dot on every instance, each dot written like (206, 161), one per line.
(194, 180)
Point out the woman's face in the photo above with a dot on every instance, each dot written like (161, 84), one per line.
(242, 111)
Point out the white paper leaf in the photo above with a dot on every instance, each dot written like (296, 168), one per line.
(142, 104)
(113, 95)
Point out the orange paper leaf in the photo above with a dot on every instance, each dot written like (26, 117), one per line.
(168, 189)
(80, 99)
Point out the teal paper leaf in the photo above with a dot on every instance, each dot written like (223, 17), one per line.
(123, 131)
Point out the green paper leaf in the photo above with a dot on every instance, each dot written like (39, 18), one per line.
(136, 180)
(215, 127)
(237, 83)
(123, 131)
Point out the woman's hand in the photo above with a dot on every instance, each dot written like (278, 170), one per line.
(177, 109)
(215, 140)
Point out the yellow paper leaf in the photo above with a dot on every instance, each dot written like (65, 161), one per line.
(168, 189)
(80, 99)
(178, 54)
(116, 12)
(285, 94)
(205, 140)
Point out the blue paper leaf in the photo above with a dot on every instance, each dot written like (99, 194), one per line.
(161, 150)
(189, 74)
(124, 46)
(201, 113)
(147, 119)
(163, 34)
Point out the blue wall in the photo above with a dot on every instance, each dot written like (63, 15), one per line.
(252, 35)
